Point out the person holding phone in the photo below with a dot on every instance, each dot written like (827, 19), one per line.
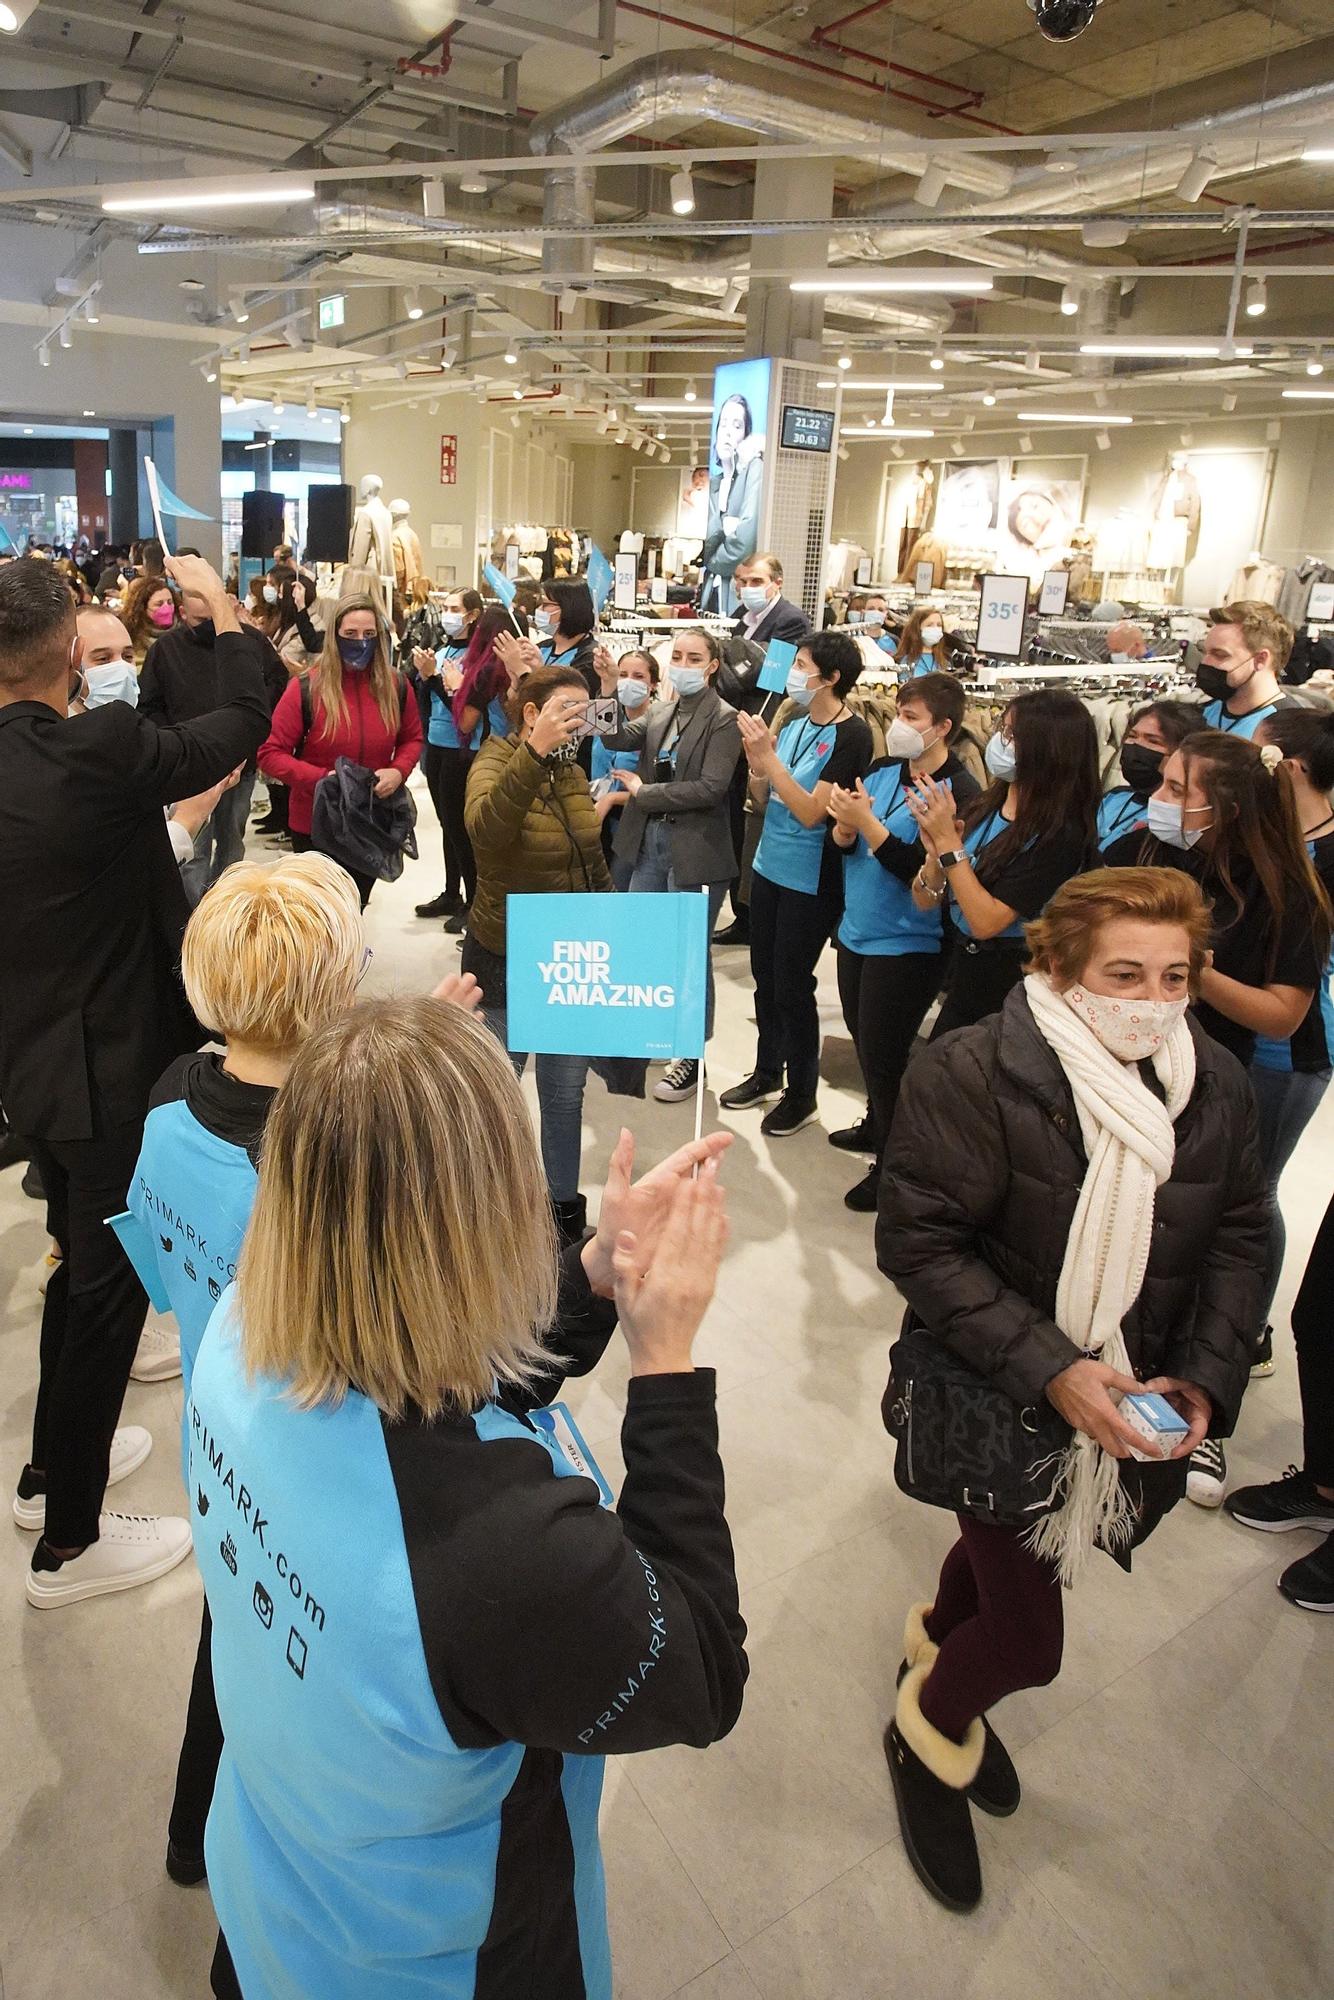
(437, 674)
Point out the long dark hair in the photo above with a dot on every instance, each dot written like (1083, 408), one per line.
(479, 657)
(1256, 824)
(1056, 773)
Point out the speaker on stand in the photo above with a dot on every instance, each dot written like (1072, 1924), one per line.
(328, 524)
(261, 524)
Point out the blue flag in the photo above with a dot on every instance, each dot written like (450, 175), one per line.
(500, 583)
(601, 576)
(137, 1244)
(778, 662)
(607, 975)
(171, 504)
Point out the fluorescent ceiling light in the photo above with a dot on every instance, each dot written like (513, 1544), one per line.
(850, 283)
(165, 196)
(1164, 350)
(665, 409)
(1308, 395)
(1318, 153)
(1070, 417)
(881, 430)
(876, 383)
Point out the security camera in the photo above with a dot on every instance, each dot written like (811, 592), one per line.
(1063, 20)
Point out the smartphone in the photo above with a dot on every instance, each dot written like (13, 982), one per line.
(599, 719)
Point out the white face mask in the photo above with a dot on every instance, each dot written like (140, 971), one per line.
(902, 740)
(1167, 823)
(451, 623)
(631, 694)
(688, 680)
(1130, 1030)
(270, 593)
(546, 621)
(856, 617)
(1001, 759)
(932, 634)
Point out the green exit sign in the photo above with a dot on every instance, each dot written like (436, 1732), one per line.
(333, 311)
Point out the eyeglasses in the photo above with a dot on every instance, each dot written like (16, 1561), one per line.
(364, 967)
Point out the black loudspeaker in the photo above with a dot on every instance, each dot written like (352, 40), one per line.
(328, 523)
(261, 524)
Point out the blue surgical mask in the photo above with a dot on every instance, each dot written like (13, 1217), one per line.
(932, 635)
(631, 694)
(1167, 823)
(688, 680)
(797, 688)
(451, 623)
(856, 618)
(270, 593)
(1001, 760)
(547, 621)
(754, 597)
(356, 652)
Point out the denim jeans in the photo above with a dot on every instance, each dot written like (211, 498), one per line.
(560, 1079)
(653, 877)
(220, 840)
(1286, 1100)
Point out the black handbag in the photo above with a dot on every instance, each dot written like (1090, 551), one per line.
(962, 1443)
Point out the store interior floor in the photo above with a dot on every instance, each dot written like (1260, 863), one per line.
(1177, 1829)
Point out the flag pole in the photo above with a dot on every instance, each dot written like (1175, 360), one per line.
(699, 1074)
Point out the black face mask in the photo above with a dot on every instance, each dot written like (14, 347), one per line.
(1141, 768)
(1214, 682)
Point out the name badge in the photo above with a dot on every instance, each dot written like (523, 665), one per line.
(560, 1429)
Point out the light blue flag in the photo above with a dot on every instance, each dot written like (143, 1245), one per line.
(607, 975)
(137, 1244)
(171, 504)
(601, 576)
(778, 661)
(500, 583)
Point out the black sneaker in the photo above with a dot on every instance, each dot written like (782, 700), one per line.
(864, 1199)
(678, 1081)
(1310, 1582)
(439, 906)
(1289, 1502)
(937, 1828)
(1263, 1364)
(456, 925)
(759, 1088)
(788, 1116)
(854, 1138)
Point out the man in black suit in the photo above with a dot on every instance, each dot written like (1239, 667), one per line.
(765, 614)
(91, 1012)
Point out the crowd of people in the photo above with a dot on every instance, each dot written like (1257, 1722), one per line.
(1075, 1177)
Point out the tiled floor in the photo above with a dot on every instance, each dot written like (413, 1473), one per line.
(1177, 1832)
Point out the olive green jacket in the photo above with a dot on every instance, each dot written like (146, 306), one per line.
(534, 831)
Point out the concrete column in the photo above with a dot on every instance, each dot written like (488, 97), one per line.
(776, 318)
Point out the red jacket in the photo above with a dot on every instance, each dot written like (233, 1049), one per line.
(363, 738)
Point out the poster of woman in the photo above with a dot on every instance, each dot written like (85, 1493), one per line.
(736, 477)
(692, 505)
(969, 503)
(1038, 515)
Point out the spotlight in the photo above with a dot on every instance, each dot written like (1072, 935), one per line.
(1257, 298)
(1069, 300)
(243, 354)
(66, 336)
(931, 186)
(511, 356)
(1104, 440)
(312, 407)
(1316, 365)
(957, 448)
(1229, 399)
(683, 192)
(1032, 361)
(433, 200)
(210, 374)
(937, 361)
(1186, 436)
(240, 312)
(517, 395)
(989, 400)
(448, 356)
(471, 182)
(843, 453)
(1062, 20)
(1202, 168)
(896, 451)
(345, 414)
(845, 361)
(622, 435)
(692, 393)
(90, 311)
(401, 370)
(731, 297)
(569, 300)
(412, 301)
(278, 406)
(1025, 442)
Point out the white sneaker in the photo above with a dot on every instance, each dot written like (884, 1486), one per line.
(129, 1448)
(132, 1549)
(158, 1357)
(1206, 1479)
(679, 1080)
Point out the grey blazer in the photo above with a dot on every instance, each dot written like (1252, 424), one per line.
(695, 803)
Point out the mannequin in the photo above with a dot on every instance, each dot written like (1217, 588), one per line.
(1175, 498)
(407, 548)
(920, 499)
(372, 544)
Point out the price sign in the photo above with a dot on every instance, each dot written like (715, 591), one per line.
(1320, 604)
(864, 571)
(1000, 618)
(657, 589)
(1055, 591)
(623, 590)
(449, 459)
(511, 559)
(924, 578)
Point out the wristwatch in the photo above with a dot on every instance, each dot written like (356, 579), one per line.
(953, 858)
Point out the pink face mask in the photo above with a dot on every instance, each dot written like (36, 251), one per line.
(163, 614)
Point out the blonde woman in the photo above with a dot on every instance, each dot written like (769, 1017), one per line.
(353, 706)
(428, 1632)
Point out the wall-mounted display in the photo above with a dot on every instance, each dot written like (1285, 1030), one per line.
(807, 430)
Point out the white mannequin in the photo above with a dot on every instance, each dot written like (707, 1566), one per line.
(407, 548)
(372, 544)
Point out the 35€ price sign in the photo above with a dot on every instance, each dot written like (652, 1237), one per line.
(449, 459)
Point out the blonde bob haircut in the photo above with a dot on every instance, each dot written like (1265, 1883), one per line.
(401, 1243)
(1065, 937)
(273, 952)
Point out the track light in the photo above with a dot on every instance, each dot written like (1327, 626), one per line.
(514, 420)
(937, 361)
(1025, 442)
(401, 370)
(683, 192)
(243, 354)
(1229, 399)
(888, 417)
(896, 451)
(989, 400)
(1316, 365)
(517, 395)
(210, 374)
(843, 454)
(622, 435)
(1069, 300)
(1257, 298)
(412, 302)
(278, 406)
(957, 448)
(511, 356)
(1101, 398)
(1032, 361)
(1202, 168)
(65, 334)
(471, 182)
(433, 200)
(692, 393)
(44, 356)
(345, 414)
(448, 355)
(732, 297)
(238, 308)
(312, 407)
(90, 311)
(845, 361)
(1187, 437)
(569, 300)
(1104, 440)
(931, 186)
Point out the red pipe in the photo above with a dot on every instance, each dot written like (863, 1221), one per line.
(442, 68)
(857, 14)
(826, 41)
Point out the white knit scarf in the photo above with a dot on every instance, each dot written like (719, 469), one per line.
(1131, 1144)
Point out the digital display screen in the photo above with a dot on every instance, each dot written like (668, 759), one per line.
(807, 430)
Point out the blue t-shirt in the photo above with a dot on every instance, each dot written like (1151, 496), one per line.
(837, 753)
(1217, 717)
(925, 663)
(880, 919)
(1119, 812)
(606, 761)
(441, 728)
(1030, 878)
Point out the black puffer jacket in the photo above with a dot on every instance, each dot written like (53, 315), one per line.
(981, 1179)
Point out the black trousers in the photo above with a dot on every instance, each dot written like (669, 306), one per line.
(978, 982)
(788, 931)
(884, 1000)
(201, 1747)
(303, 844)
(736, 812)
(446, 773)
(91, 1322)
(1313, 1333)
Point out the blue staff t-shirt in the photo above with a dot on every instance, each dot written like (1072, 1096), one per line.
(791, 855)
(880, 919)
(1119, 812)
(1216, 716)
(441, 728)
(1030, 878)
